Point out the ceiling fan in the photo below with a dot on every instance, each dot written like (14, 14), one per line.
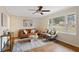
(39, 10)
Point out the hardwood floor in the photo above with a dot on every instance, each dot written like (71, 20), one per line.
(56, 47)
(52, 46)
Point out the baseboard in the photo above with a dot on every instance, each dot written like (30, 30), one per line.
(76, 49)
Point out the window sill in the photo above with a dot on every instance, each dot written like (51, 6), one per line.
(67, 33)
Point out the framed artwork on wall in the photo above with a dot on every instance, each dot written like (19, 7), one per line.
(31, 24)
(27, 23)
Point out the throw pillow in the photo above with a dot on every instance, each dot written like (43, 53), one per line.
(32, 31)
(52, 32)
(25, 31)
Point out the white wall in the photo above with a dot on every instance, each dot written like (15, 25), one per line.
(3, 10)
(16, 23)
(72, 39)
(65, 37)
(77, 24)
(42, 24)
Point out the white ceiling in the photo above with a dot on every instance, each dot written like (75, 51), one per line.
(24, 10)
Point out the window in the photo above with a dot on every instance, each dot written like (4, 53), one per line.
(58, 23)
(71, 22)
(64, 23)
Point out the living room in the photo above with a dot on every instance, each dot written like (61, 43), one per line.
(19, 19)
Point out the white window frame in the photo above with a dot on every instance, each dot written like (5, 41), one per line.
(66, 24)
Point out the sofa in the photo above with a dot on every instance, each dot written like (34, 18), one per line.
(49, 35)
(25, 33)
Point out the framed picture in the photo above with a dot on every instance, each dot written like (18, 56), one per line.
(31, 24)
(27, 23)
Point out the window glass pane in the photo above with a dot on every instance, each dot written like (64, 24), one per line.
(72, 23)
(51, 22)
(58, 23)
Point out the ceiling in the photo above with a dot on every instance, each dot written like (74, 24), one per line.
(24, 10)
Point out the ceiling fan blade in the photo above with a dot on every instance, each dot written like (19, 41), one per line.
(40, 8)
(34, 13)
(41, 13)
(45, 10)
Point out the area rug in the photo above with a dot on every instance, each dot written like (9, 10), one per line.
(28, 46)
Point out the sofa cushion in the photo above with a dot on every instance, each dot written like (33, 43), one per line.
(23, 33)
